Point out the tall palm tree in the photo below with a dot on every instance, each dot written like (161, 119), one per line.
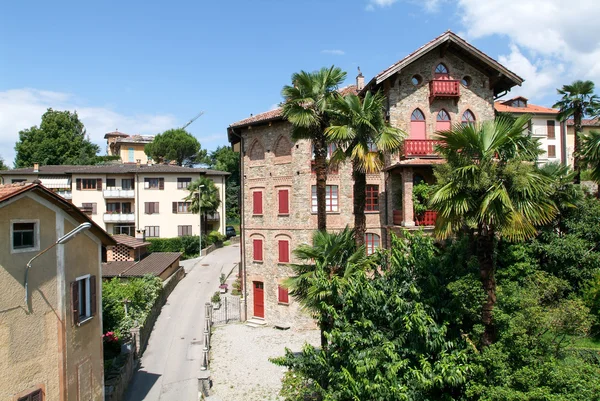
(362, 136)
(205, 191)
(491, 189)
(590, 153)
(319, 281)
(307, 105)
(578, 100)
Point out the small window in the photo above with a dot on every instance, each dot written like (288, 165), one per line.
(152, 231)
(37, 395)
(257, 250)
(416, 80)
(417, 115)
(183, 183)
(519, 103)
(154, 183)
(126, 229)
(331, 199)
(283, 295)
(466, 81)
(284, 251)
(24, 235)
(83, 298)
(257, 208)
(183, 231)
(551, 125)
(181, 207)
(468, 117)
(151, 207)
(443, 121)
(551, 151)
(127, 183)
(441, 69)
(17, 180)
(131, 155)
(283, 201)
(111, 183)
(371, 242)
(372, 201)
(88, 184)
(89, 208)
(126, 208)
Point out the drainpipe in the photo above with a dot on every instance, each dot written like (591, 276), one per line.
(385, 192)
(242, 223)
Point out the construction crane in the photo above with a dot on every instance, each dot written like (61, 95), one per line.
(192, 120)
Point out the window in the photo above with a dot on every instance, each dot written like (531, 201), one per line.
(88, 184)
(154, 183)
(152, 231)
(466, 81)
(417, 125)
(89, 208)
(17, 180)
(284, 251)
(283, 295)
(331, 198)
(24, 236)
(37, 395)
(550, 124)
(283, 201)
(443, 121)
(551, 150)
(113, 208)
(372, 147)
(126, 229)
(184, 230)
(257, 152)
(126, 207)
(181, 207)
(83, 298)
(372, 198)
(151, 208)
(330, 149)
(130, 155)
(182, 183)
(519, 103)
(283, 147)
(371, 242)
(257, 208)
(127, 183)
(257, 250)
(441, 71)
(416, 80)
(468, 117)
(111, 183)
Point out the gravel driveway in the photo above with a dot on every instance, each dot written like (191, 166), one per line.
(240, 367)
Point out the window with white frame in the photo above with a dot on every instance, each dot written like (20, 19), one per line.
(183, 183)
(331, 199)
(25, 235)
(83, 298)
(371, 243)
(152, 231)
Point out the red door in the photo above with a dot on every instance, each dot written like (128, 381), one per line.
(259, 299)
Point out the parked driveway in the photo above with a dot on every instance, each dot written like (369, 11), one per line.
(171, 363)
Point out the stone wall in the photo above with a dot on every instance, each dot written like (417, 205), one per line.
(115, 387)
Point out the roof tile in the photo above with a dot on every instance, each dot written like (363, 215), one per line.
(531, 108)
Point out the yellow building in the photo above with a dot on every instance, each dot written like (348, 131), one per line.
(587, 126)
(129, 147)
(51, 312)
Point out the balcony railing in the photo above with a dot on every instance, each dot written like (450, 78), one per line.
(426, 219)
(119, 193)
(119, 217)
(444, 89)
(420, 148)
(212, 216)
(65, 194)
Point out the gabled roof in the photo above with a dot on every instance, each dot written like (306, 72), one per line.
(461, 46)
(505, 107)
(155, 264)
(129, 241)
(513, 99)
(114, 133)
(10, 191)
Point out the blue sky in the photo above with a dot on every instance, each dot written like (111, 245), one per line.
(146, 66)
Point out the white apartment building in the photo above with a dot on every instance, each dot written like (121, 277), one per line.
(131, 198)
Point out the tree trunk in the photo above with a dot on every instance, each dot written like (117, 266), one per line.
(485, 257)
(577, 116)
(320, 146)
(360, 220)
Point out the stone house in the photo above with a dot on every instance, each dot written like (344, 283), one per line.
(50, 313)
(444, 82)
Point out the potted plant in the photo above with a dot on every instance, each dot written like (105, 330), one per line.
(223, 288)
(216, 300)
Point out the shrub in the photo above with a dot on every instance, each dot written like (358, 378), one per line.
(188, 245)
(216, 298)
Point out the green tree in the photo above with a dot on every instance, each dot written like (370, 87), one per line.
(578, 100)
(590, 153)
(307, 106)
(225, 159)
(176, 145)
(209, 198)
(2, 165)
(490, 188)
(362, 136)
(60, 139)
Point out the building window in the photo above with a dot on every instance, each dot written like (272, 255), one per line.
(88, 184)
(257, 206)
(127, 183)
(417, 125)
(126, 208)
(466, 81)
(24, 235)
(152, 231)
(17, 180)
(284, 251)
(283, 295)
(284, 201)
(151, 208)
(37, 395)
(443, 122)
(468, 117)
(183, 183)
(550, 124)
(111, 183)
(372, 147)
(257, 250)
(131, 155)
(371, 242)
(184, 230)
(89, 208)
(113, 208)
(372, 198)
(127, 230)
(181, 207)
(441, 71)
(83, 298)
(331, 199)
(154, 183)
(519, 103)
(551, 150)
(416, 80)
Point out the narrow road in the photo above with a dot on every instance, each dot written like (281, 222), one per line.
(171, 363)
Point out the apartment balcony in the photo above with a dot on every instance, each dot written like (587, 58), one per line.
(65, 194)
(113, 193)
(213, 216)
(444, 89)
(426, 219)
(420, 148)
(119, 218)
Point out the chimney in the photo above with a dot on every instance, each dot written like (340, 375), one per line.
(36, 167)
(138, 162)
(360, 80)
(149, 162)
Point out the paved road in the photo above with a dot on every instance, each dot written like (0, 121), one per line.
(171, 363)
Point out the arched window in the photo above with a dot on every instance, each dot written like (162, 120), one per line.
(443, 122)
(283, 147)
(441, 71)
(417, 125)
(468, 117)
(371, 242)
(257, 152)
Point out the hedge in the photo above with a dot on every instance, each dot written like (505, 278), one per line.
(188, 245)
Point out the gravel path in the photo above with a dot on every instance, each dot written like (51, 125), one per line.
(240, 367)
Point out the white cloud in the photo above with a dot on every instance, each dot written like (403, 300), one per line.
(379, 3)
(428, 5)
(23, 108)
(334, 52)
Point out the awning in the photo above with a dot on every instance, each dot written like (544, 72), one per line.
(56, 182)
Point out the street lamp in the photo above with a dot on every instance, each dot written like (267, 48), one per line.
(199, 214)
(62, 240)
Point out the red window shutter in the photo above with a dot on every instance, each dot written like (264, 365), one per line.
(284, 251)
(93, 300)
(257, 202)
(284, 205)
(75, 301)
(78, 184)
(283, 297)
(257, 249)
(161, 183)
(175, 207)
(98, 184)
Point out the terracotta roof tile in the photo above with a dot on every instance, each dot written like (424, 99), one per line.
(129, 241)
(586, 122)
(9, 190)
(531, 108)
(116, 168)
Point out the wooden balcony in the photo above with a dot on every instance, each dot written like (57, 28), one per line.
(444, 89)
(426, 219)
(420, 148)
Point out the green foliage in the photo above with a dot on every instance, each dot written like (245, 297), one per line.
(188, 244)
(421, 194)
(209, 196)
(2, 165)
(175, 145)
(215, 237)
(591, 296)
(216, 298)
(60, 139)
(225, 159)
(141, 294)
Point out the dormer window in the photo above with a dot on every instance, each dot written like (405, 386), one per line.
(519, 103)
(441, 71)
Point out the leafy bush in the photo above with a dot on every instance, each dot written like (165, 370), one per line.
(421, 194)
(188, 245)
(216, 298)
(591, 296)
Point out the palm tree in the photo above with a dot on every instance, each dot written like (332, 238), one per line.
(327, 265)
(590, 153)
(491, 189)
(362, 135)
(307, 104)
(578, 100)
(205, 190)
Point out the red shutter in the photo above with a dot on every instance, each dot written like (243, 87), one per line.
(98, 184)
(257, 202)
(93, 300)
(175, 207)
(78, 184)
(284, 206)
(75, 301)
(161, 183)
(284, 251)
(257, 249)
(283, 295)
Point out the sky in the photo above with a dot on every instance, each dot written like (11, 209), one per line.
(143, 67)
